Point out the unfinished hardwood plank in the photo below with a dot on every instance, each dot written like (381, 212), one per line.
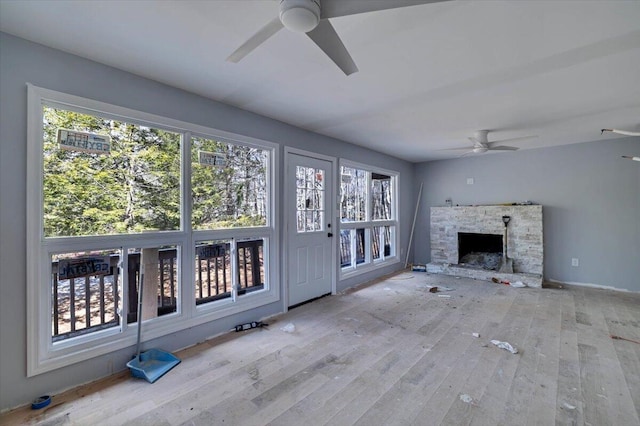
(391, 353)
(432, 369)
(513, 329)
(569, 406)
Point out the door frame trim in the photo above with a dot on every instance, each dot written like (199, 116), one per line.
(286, 198)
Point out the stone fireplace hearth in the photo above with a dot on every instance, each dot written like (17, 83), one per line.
(457, 231)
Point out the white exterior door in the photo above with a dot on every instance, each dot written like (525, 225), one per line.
(310, 228)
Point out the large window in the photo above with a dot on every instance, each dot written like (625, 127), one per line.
(368, 225)
(120, 201)
(130, 185)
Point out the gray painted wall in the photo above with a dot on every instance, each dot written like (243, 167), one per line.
(21, 62)
(591, 200)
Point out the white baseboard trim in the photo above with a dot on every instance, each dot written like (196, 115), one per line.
(602, 287)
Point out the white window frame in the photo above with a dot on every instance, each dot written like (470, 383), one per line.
(369, 263)
(42, 354)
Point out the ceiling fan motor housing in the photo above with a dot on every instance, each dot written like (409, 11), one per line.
(300, 16)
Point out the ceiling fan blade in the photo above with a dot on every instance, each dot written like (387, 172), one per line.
(335, 8)
(503, 148)
(621, 132)
(256, 40)
(515, 139)
(456, 149)
(325, 36)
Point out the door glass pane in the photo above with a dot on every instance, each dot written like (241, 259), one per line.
(309, 199)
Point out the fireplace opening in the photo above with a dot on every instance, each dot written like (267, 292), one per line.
(480, 250)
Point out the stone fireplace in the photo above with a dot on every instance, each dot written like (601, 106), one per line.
(476, 232)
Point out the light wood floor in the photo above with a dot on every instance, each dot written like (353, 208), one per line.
(391, 353)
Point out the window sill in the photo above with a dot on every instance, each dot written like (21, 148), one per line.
(347, 273)
(68, 354)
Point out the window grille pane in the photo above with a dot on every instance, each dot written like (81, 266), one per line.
(382, 242)
(359, 235)
(161, 272)
(376, 240)
(85, 289)
(381, 197)
(353, 199)
(228, 184)
(213, 280)
(131, 185)
(250, 262)
(345, 248)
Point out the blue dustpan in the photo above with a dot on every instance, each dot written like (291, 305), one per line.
(152, 364)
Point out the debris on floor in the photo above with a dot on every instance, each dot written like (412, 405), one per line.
(40, 402)
(402, 277)
(466, 398)
(289, 328)
(624, 338)
(475, 334)
(505, 345)
(419, 268)
(446, 296)
(569, 406)
(250, 325)
(517, 284)
(437, 288)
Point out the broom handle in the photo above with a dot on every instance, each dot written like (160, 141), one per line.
(504, 244)
(140, 287)
(415, 215)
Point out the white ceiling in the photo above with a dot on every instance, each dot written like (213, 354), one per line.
(430, 75)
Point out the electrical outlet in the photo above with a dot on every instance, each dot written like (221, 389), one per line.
(470, 181)
(575, 262)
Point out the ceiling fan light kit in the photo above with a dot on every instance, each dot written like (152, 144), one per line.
(300, 16)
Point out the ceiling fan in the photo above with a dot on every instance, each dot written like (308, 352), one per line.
(312, 17)
(481, 144)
